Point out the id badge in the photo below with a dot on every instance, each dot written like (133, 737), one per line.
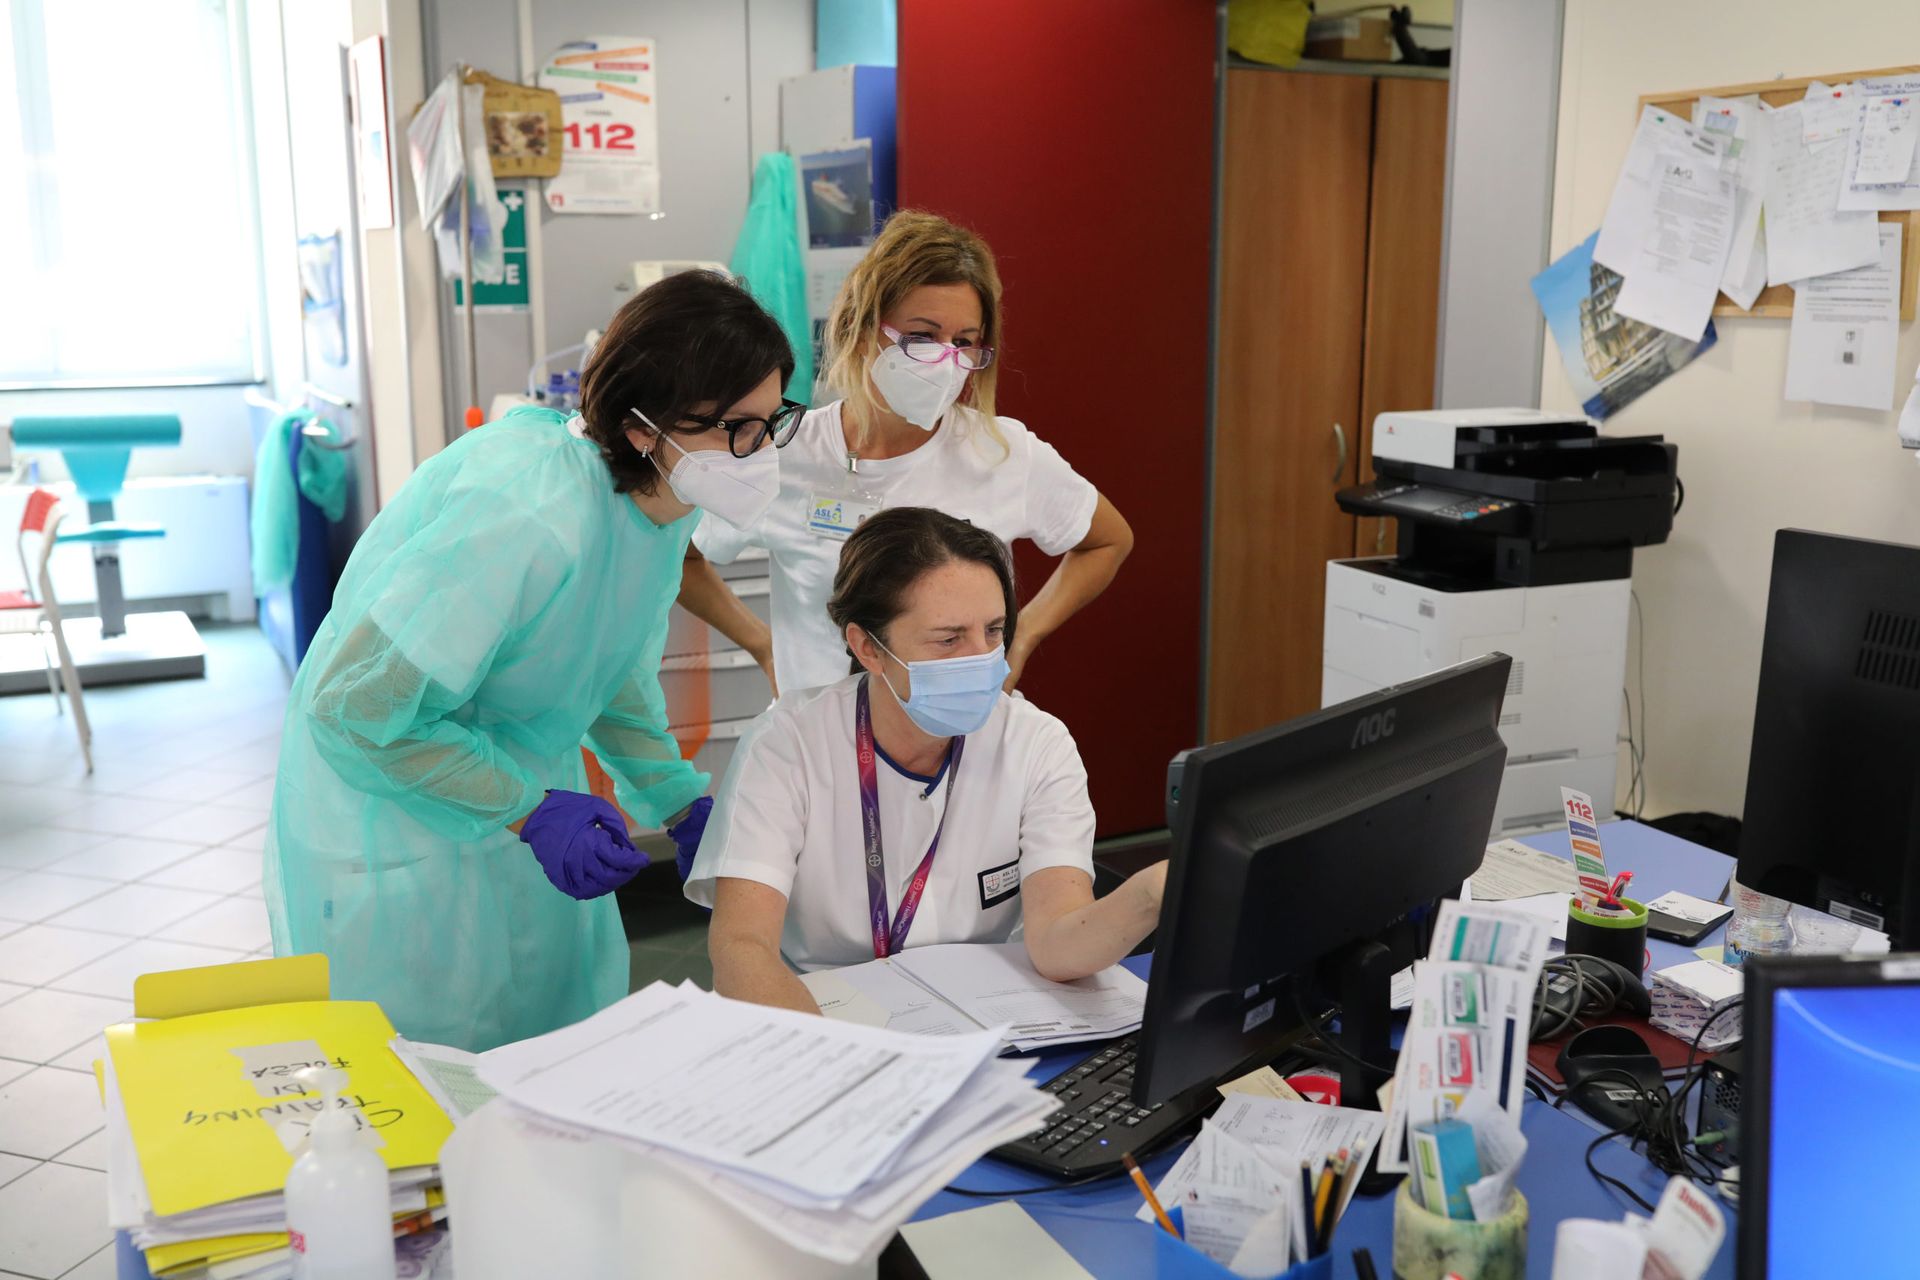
(833, 515)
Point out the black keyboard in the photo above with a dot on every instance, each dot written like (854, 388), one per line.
(1097, 1122)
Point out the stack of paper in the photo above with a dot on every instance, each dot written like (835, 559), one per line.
(828, 1134)
(960, 988)
(1687, 995)
(204, 1120)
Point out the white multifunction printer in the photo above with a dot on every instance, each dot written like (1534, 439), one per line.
(1516, 535)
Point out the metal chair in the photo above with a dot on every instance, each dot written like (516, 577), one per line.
(35, 611)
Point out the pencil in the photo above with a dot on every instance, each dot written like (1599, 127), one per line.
(1356, 1166)
(1322, 1194)
(1153, 1201)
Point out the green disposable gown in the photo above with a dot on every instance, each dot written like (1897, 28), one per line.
(506, 608)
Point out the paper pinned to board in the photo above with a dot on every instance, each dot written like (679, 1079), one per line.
(1883, 166)
(1659, 135)
(1807, 233)
(1845, 335)
(1825, 113)
(1744, 136)
(1676, 275)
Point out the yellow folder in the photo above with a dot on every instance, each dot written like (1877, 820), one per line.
(210, 1096)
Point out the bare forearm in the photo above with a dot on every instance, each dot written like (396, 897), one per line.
(705, 595)
(1094, 937)
(1077, 581)
(747, 969)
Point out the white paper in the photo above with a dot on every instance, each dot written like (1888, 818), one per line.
(1267, 1250)
(1511, 869)
(610, 132)
(1501, 1148)
(1216, 1219)
(876, 994)
(1684, 906)
(1743, 138)
(1886, 141)
(996, 984)
(994, 1240)
(1870, 159)
(1629, 219)
(1845, 335)
(1588, 1249)
(811, 1105)
(1685, 1234)
(1826, 113)
(1807, 234)
(1250, 1142)
(1910, 419)
(1676, 276)
(1467, 1028)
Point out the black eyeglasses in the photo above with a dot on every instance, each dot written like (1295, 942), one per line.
(746, 435)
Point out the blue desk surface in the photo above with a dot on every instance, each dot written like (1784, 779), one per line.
(1096, 1225)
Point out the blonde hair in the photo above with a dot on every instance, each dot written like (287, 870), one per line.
(914, 248)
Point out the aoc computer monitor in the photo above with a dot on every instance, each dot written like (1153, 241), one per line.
(1294, 848)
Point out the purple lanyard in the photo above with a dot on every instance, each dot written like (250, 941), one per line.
(890, 940)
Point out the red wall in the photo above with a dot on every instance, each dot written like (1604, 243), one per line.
(1077, 137)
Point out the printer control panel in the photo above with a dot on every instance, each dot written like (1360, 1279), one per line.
(1429, 504)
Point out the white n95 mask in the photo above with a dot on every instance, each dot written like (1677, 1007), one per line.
(920, 393)
(738, 490)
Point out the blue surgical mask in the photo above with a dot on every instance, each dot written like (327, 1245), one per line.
(951, 697)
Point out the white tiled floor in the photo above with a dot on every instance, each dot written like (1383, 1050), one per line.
(151, 863)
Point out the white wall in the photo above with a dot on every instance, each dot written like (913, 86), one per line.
(1752, 463)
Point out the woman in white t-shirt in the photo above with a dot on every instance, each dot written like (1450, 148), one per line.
(912, 347)
(913, 802)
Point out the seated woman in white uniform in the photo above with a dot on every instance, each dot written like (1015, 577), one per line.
(912, 802)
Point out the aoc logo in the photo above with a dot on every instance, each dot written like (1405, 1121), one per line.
(1370, 729)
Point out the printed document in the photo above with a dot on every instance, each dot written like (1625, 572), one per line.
(1826, 113)
(814, 1106)
(1807, 233)
(1846, 332)
(1629, 223)
(1683, 254)
(1514, 870)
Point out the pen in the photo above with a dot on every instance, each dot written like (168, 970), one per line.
(1363, 1265)
(1310, 1245)
(1153, 1201)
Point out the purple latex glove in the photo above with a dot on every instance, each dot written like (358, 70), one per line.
(687, 832)
(582, 844)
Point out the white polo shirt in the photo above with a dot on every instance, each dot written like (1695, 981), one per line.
(788, 816)
(1026, 491)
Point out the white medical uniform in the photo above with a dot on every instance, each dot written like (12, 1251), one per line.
(788, 816)
(1026, 491)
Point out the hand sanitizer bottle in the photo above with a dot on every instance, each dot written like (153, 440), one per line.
(338, 1205)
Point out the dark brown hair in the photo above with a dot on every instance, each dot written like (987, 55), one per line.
(693, 339)
(890, 552)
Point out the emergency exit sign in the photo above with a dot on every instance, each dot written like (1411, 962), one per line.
(510, 294)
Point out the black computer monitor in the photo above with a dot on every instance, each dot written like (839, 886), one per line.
(1294, 849)
(1829, 1116)
(1833, 782)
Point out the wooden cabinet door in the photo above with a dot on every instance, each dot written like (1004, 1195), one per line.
(1293, 245)
(1403, 266)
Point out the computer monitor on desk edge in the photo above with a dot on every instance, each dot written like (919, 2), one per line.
(1829, 1114)
(1294, 850)
(1832, 816)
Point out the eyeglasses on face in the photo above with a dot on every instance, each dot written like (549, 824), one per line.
(922, 349)
(746, 435)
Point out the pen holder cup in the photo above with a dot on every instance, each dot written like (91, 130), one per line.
(1175, 1259)
(1426, 1246)
(1621, 939)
